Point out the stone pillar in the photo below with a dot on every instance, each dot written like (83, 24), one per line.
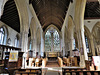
(82, 48)
(24, 46)
(71, 46)
(24, 26)
(33, 36)
(92, 45)
(79, 22)
(42, 45)
(34, 47)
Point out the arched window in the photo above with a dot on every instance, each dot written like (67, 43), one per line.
(74, 44)
(48, 41)
(52, 40)
(16, 41)
(3, 35)
(87, 45)
(56, 41)
(30, 45)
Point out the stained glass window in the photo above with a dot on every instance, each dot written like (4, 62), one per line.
(48, 41)
(56, 41)
(1, 35)
(52, 40)
(30, 45)
(87, 45)
(74, 44)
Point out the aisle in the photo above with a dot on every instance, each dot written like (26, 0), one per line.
(52, 64)
(52, 73)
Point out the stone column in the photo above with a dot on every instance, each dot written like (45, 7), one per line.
(92, 45)
(34, 47)
(24, 26)
(24, 46)
(71, 40)
(79, 22)
(71, 46)
(82, 48)
(42, 45)
(33, 36)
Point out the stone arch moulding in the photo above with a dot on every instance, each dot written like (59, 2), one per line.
(88, 33)
(96, 33)
(23, 14)
(97, 24)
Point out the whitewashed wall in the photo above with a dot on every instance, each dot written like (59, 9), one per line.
(11, 33)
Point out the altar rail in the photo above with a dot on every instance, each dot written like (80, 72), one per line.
(79, 71)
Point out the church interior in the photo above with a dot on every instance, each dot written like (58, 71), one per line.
(49, 37)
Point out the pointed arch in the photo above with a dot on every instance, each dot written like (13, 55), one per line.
(4, 31)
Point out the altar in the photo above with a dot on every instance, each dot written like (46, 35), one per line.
(52, 54)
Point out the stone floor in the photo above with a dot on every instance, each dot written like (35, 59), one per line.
(52, 73)
(52, 64)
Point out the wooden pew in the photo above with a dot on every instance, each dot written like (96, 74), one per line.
(73, 61)
(38, 62)
(78, 71)
(66, 61)
(60, 62)
(34, 71)
(44, 62)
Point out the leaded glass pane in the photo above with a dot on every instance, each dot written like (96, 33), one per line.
(56, 41)
(52, 41)
(1, 35)
(87, 45)
(47, 41)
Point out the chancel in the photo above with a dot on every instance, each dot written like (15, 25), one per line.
(50, 37)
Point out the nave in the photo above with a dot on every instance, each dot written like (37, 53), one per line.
(44, 37)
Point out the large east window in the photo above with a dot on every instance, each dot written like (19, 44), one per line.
(52, 40)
